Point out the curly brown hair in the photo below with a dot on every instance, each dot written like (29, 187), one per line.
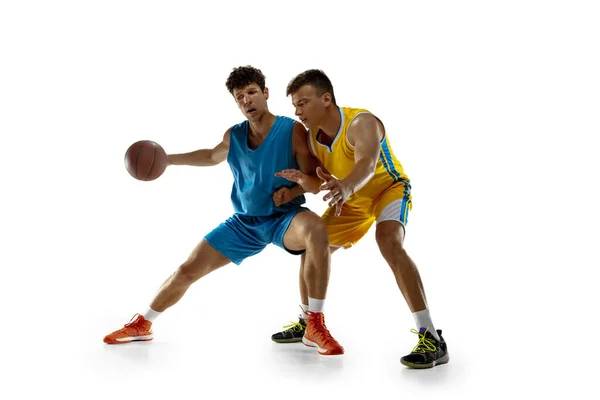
(315, 78)
(244, 76)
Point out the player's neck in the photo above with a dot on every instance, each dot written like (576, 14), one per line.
(262, 126)
(331, 122)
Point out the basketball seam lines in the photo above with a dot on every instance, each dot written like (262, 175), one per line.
(137, 156)
(153, 159)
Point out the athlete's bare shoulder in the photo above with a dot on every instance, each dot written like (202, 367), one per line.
(364, 123)
(299, 130)
(227, 136)
(299, 142)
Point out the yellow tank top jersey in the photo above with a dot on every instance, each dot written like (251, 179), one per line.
(339, 158)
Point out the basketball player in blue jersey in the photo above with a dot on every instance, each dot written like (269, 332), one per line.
(256, 150)
(366, 184)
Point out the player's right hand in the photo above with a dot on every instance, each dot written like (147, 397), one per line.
(339, 191)
(292, 175)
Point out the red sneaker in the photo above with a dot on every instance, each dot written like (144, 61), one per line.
(138, 329)
(317, 335)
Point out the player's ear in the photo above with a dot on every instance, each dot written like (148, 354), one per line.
(327, 98)
(266, 92)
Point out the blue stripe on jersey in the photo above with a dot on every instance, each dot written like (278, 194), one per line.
(387, 168)
(388, 156)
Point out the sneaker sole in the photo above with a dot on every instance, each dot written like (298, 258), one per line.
(292, 340)
(441, 361)
(128, 339)
(321, 351)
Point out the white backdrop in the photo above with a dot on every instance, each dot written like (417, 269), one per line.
(491, 108)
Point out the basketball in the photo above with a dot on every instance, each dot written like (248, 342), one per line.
(145, 160)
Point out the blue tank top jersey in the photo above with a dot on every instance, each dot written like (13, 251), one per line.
(254, 169)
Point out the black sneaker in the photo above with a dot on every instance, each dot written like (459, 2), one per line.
(293, 332)
(428, 353)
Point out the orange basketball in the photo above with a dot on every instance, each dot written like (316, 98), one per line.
(145, 160)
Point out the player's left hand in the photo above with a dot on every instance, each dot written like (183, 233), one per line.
(338, 191)
(282, 195)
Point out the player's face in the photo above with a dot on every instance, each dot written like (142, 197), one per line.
(310, 108)
(251, 101)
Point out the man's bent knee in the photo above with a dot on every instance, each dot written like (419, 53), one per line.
(389, 232)
(192, 270)
(317, 234)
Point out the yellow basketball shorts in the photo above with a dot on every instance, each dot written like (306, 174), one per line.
(392, 204)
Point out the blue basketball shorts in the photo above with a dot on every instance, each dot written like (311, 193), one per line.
(242, 236)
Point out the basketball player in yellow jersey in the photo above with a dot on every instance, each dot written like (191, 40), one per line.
(366, 184)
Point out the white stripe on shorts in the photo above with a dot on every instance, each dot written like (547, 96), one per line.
(392, 212)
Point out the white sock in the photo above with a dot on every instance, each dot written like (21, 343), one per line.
(316, 305)
(151, 315)
(304, 308)
(423, 320)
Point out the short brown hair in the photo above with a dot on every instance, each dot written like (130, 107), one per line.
(243, 76)
(315, 78)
